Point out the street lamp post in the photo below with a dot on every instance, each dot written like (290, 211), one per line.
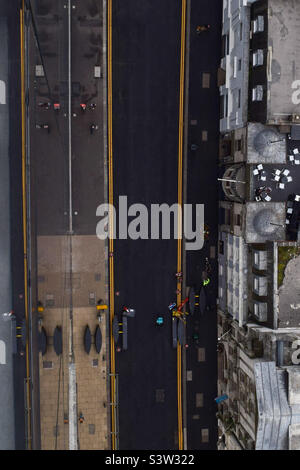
(226, 333)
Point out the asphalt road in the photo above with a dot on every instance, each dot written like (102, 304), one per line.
(11, 11)
(146, 48)
(146, 65)
(49, 151)
(7, 438)
(202, 187)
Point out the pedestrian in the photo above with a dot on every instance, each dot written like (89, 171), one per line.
(93, 106)
(83, 107)
(93, 127)
(81, 418)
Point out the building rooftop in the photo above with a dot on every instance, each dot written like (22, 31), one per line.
(289, 281)
(265, 144)
(265, 221)
(278, 418)
(284, 53)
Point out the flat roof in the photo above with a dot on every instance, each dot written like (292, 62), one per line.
(284, 56)
(288, 292)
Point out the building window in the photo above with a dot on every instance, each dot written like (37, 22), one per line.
(258, 58)
(240, 64)
(234, 67)
(238, 220)
(241, 31)
(222, 106)
(258, 24)
(239, 99)
(223, 45)
(238, 145)
(221, 247)
(257, 93)
(226, 105)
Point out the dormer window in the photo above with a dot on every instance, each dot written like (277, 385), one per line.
(258, 24)
(257, 93)
(258, 58)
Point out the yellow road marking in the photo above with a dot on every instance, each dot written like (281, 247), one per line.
(111, 222)
(179, 247)
(24, 207)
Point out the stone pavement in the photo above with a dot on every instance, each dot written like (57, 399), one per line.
(7, 408)
(91, 369)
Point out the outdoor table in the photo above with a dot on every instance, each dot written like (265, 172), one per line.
(284, 179)
(265, 195)
(263, 175)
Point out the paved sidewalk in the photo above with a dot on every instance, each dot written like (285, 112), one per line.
(91, 369)
(7, 426)
(50, 212)
(202, 188)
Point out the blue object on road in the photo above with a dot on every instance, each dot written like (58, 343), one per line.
(172, 306)
(159, 321)
(221, 398)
